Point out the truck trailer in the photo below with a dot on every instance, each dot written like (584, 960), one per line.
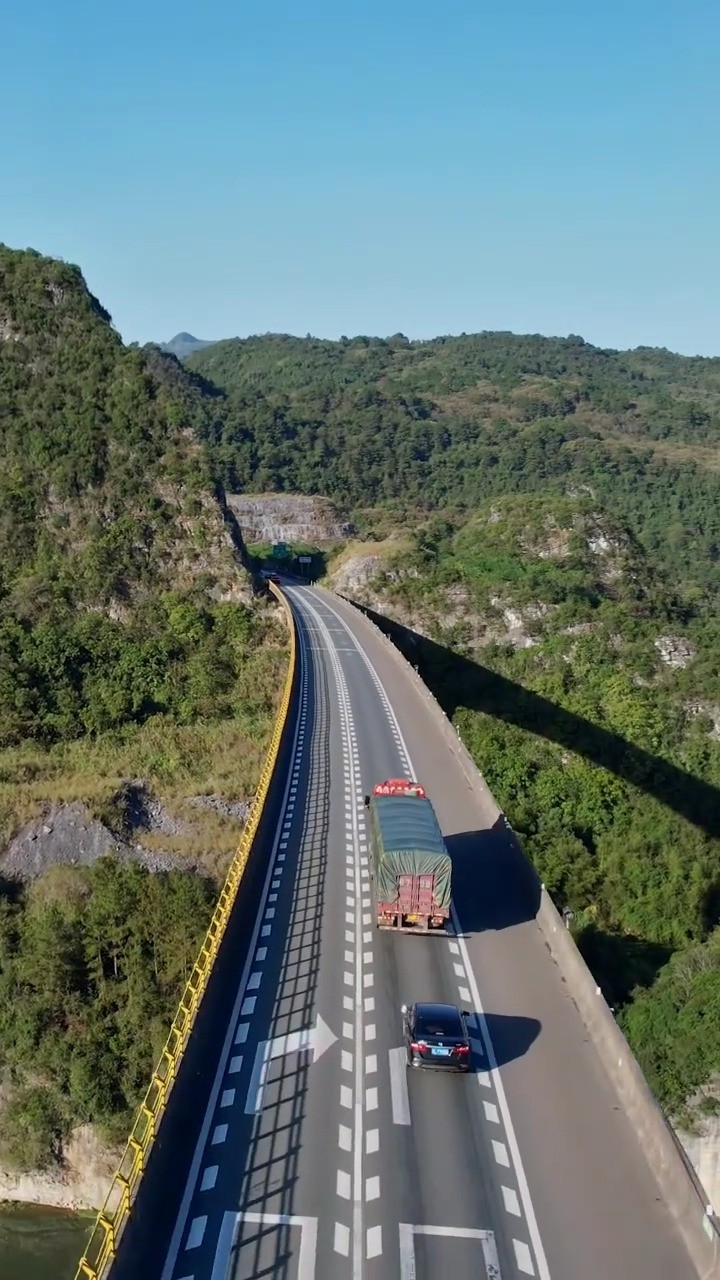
(411, 867)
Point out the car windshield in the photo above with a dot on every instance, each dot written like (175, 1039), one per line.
(440, 1023)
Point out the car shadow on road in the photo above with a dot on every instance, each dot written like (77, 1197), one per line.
(494, 884)
(510, 1035)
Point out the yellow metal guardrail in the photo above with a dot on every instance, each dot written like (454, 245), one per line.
(114, 1214)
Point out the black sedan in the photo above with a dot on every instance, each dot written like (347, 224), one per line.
(436, 1036)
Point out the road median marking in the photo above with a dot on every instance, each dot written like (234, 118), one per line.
(228, 1239)
(408, 1231)
(399, 1087)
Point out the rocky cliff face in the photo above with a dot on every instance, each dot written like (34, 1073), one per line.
(278, 517)
(81, 1183)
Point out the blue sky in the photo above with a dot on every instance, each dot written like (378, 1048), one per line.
(342, 168)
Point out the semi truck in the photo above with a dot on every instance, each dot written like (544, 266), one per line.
(410, 865)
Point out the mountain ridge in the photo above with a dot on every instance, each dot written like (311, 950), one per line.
(184, 344)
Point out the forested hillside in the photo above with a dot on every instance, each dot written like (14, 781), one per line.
(548, 513)
(453, 421)
(588, 692)
(131, 648)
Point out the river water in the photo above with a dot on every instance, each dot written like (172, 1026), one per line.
(37, 1243)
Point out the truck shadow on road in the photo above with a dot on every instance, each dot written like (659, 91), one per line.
(458, 682)
(494, 885)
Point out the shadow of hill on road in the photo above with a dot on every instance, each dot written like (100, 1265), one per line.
(457, 682)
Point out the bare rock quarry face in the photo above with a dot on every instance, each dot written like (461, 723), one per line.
(279, 517)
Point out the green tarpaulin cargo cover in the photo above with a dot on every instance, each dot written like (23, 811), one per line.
(407, 840)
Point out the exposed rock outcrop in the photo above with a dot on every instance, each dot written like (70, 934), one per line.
(675, 651)
(81, 1182)
(279, 517)
(66, 833)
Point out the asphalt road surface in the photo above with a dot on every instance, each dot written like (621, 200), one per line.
(321, 1157)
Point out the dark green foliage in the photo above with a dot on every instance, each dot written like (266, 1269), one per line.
(90, 966)
(74, 674)
(111, 562)
(586, 741)
(458, 420)
(674, 1027)
(91, 436)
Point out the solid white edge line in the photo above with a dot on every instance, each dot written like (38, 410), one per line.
(470, 975)
(191, 1184)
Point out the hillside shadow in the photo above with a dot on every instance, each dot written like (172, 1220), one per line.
(624, 960)
(458, 682)
(494, 882)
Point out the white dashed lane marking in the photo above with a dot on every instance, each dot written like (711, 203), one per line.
(374, 1242)
(197, 1232)
(510, 1201)
(342, 1239)
(357, 975)
(523, 1258)
(500, 1152)
(399, 1086)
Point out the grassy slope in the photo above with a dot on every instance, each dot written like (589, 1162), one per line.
(130, 647)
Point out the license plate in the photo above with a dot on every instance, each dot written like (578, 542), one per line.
(441, 1053)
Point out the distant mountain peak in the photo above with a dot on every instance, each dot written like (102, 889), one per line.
(183, 344)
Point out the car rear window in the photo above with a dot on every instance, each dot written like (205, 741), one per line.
(438, 1024)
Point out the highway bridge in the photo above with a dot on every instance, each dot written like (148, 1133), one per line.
(296, 1144)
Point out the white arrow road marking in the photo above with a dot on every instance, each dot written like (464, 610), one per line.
(317, 1040)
